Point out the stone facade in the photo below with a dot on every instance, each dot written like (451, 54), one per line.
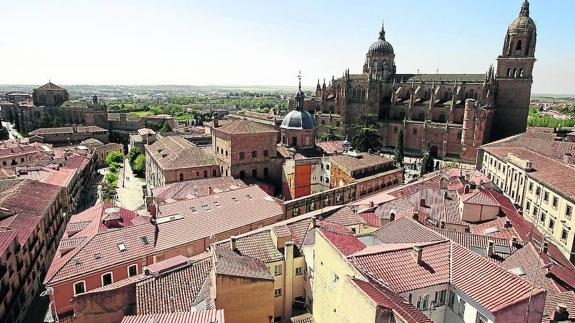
(431, 108)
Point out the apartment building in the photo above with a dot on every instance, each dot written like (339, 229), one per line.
(536, 171)
(100, 246)
(32, 218)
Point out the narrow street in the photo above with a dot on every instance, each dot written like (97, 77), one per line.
(130, 193)
(11, 131)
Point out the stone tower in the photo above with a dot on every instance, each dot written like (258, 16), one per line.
(97, 113)
(515, 76)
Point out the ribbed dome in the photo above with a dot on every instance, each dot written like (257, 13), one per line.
(380, 48)
(296, 119)
(522, 24)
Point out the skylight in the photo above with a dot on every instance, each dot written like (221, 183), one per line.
(144, 240)
(122, 247)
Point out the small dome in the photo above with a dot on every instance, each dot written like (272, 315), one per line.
(296, 119)
(522, 24)
(380, 48)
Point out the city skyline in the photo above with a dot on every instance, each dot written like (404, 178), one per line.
(266, 44)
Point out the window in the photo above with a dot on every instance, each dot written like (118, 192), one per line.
(353, 230)
(409, 298)
(242, 155)
(546, 196)
(551, 224)
(461, 309)
(278, 292)
(527, 206)
(181, 177)
(518, 47)
(451, 300)
(79, 288)
(214, 173)
(107, 279)
(480, 318)
(440, 298)
(254, 172)
(266, 153)
(568, 211)
(266, 171)
(564, 235)
(538, 191)
(144, 240)
(294, 141)
(254, 154)
(132, 270)
(298, 271)
(122, 247)
(278, 270)
(415, 130)
(205, 173)
(542, 218)
(423, 302)
(242, 173)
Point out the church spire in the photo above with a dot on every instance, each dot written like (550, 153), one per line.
(382, 32)
(524, 9)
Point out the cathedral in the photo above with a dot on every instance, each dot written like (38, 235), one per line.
(448, 114)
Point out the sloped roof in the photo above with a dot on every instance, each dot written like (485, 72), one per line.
(196, 188)
(231, 264)
(50, 87)
(174, 291)
(205, 316)
(175, 152)
(242, 126)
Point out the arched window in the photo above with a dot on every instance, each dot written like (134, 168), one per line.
(515, 72)
(518, 47)
(508, 72)
(521, 72)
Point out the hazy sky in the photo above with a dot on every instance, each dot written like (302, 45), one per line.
(243, 42)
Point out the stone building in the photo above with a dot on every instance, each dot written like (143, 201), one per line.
(432, 109)
(68, 135)
(174, 159)
(244, 148)
(50, 95)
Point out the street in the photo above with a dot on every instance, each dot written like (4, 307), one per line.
(11, 131)
(130, 195)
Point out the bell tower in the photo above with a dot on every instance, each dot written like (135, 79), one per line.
(515, 76)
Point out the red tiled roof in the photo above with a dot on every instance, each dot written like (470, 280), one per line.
(205, 316)
(96, 246)
(371, 219)
(206, 216)
(479, 196)
(395, 232)
(230, 263)
(257, 245)
(351, 163)
(50, 87)
(175, 152)
(174, 291)
(347, 244)
(195, 188)
(331, 147)
(346, 217)
(245, 126)
(66, 130)
(384, 297)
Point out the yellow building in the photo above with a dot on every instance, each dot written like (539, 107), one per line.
(536, 172)
(279, 246)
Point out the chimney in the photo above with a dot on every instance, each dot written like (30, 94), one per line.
(544, 247)
(442, 224)
(490, 245)
(415, 215)
(466, 189)
(371, 204)
(233, 243)
(507, 224)
(514, 241)
(210, 190)
(417, 252)
(561, 313)
(391, 215)
(422, 202)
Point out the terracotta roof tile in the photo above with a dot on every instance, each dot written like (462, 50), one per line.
(231, 264)
(175, 291)
(347, 244)
(245, 126)
(195, 188)
(202, 217)
(175, 152)
(352, 163)
(395, 232)
(205, 316)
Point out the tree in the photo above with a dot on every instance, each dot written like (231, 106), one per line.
(166, 128)
(4, 134)
(399, 151)
(426, 163)
(133, 154)
(17, 125)
(367, 138)
(329, 134)
(139, 166)
(114, 157)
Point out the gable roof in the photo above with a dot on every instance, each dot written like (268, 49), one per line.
(205, 316)
(175, 152)
(242, 126)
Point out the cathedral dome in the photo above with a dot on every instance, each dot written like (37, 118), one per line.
(522, 24)
(298, 119)
(380, 47)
